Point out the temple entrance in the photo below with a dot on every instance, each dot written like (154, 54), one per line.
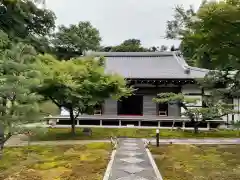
(132, 106)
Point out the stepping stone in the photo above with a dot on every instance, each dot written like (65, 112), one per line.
(132, 169)
(130, 140)
(130, 144)
(132, 177)
(131, 153)
(132, 160)
(131, 148)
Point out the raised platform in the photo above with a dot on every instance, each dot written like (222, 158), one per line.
(114, 121)
(127, 118)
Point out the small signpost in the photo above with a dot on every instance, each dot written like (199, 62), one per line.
(157, 137)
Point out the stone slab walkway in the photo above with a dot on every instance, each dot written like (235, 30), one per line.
(131, 162)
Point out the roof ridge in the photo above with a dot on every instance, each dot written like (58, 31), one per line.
(185, 65)
(199, 69)
(130, 54)
(181, 61)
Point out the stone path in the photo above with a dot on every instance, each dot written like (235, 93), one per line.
(131, 162)
(16, 141)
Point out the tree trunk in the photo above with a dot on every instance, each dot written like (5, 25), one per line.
(72, 120)
(173, 124)
(196, 127)
(2, 142)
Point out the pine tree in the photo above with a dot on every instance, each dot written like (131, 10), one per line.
(18, 77)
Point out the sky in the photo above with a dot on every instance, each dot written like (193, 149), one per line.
(118, 20)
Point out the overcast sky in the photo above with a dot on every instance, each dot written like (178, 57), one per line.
(118, 20)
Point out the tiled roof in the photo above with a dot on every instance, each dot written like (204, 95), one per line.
(150, 65)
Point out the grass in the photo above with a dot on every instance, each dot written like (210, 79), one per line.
(204, 162)
(74, 162)
(106, 133)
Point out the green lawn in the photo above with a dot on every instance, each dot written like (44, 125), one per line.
(205, 162)
(75, 162)
(105, 133)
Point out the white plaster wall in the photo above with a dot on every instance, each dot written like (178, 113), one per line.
(65, 112)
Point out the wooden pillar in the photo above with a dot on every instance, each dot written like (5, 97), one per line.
(101, 122)
(120, 122)
(139, 123)
(159, 123)
(208, 125)
(183, 125)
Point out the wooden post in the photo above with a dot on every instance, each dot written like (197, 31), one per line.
(157, 137)
(208, 125)
(184, 125)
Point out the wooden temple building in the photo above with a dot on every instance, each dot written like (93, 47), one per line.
(150, 73)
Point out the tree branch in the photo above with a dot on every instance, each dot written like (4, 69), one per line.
(7, 138)
(77, 113)
(54, 101)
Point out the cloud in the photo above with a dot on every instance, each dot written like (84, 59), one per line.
(118, 20)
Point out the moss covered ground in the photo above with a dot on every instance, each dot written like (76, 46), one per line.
(106, 133)
(75, 162)
(204, 162)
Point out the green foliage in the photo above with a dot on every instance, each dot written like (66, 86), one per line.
(173, 98)
(79, 84)
(25, 22)
(70, 42)
(209, 36)
(18, 102)
(4, 41)
(130, 45)
(49, 108)
(215, 109)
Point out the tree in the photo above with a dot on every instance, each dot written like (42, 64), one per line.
(130, 45)
(163, 48)
(106, 48)
(154, 49)
(70, 42)
(24, 22)
(215, 108)
(4, 42)
(18, 102)
(210, 36)
(79, 84)
(173, 48)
